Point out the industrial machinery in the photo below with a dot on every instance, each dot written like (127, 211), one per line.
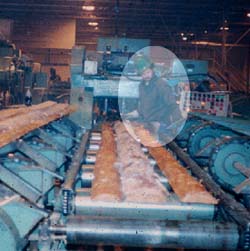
(46, 178)
(17, 74)
(221, 145)
(11, 79)
(47, 173)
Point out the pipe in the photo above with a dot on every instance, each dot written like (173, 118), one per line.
(68, 186)
(131, 233)
(125, 210)
(76, 163)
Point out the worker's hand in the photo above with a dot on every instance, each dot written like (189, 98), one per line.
(131, 115)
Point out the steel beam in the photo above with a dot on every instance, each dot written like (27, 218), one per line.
(49, 139)
(15, 182)
(36, 156)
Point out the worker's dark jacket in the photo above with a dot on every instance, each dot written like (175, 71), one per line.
(157, 101)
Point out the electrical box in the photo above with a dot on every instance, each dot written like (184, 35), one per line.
(90, 67)
(213, 103)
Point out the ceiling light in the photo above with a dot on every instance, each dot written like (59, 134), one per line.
(182, 34)
(92, 23)
(184, 38)
(226, 28)
(88, 7)
(205, 31)
(248, 14)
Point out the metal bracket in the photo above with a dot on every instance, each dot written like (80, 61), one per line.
(36, 156)
(64, 132)
(207, 146)
(19, 185)
(246, 172)
(46, 137)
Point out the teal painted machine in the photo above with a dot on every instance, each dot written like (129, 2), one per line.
(223, 146)
(32, 170)
(17, 220)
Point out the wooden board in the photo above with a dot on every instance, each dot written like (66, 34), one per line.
(186, 187)
(106, 184)
(15, 123)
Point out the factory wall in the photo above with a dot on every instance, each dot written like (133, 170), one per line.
(47, 41)
(50, 42)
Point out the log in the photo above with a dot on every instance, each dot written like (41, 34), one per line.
(139, 182)
(106, 184)
(12, 112)
(186, 187)
(17, 124)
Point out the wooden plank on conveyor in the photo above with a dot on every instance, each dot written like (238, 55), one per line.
(186, 187)
(29, 119)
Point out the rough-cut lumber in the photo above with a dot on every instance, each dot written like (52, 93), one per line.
(10, 113)
(145, 136)
(21, 121)
(106, 184)
(139, 182)
(186, 187)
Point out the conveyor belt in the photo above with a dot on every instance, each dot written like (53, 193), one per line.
(237, 125)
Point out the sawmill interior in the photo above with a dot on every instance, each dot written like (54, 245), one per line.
(124, 125)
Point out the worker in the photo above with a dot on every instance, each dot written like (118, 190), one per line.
(157, 106)
(54, 77)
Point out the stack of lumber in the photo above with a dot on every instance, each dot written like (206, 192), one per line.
(15, 123)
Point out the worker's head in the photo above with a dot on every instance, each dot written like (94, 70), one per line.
(144, 66)
(147, 74)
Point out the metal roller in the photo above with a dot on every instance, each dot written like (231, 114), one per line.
(95, 136)
(87, 178)
(94, 147)
(196, 235)
(90, 159)
(170, 211)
